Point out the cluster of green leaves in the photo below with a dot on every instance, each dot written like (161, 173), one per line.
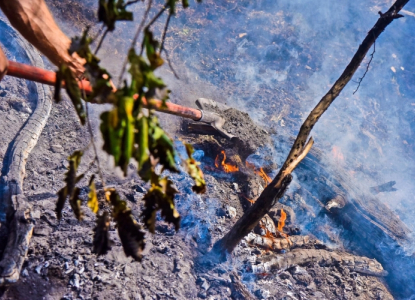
(129, 133)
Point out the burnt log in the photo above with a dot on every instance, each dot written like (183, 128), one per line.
(281, 262)
(13, 204)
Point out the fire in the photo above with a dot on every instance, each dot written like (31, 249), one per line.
(252, 201)
(281, 222)
(337, 153)
(259, 172)
(224, 166)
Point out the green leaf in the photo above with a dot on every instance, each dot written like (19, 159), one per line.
(160, 197)
(102, 242)
(92, 196)
(111, 11)
(143, 153)
(194, 171)
(161, 146)
(129, 231)
(152, 46)
(117, 128)
(69, 190)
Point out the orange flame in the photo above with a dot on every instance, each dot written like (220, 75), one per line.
(259, 172)
(281, 222)
(224, 166)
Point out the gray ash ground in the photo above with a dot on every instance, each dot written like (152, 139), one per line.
(60, 264)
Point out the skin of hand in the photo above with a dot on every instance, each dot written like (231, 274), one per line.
(3, 64)
(34, 21)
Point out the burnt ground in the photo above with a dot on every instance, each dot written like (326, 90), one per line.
(60, 264)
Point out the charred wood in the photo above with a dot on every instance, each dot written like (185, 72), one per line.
(364, 265)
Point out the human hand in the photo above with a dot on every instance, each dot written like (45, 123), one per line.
(4, 64)
(76, 65)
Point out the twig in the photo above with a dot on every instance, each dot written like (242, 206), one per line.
(136, 35)
(91, 133)
(131, 2)
(163, 38)
(367, 67)
(170, 64)
(151, 23)
(98, 33)
(100, 41)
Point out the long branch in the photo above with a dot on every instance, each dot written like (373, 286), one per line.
(274, 191)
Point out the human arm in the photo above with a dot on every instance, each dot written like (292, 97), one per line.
(34, 21)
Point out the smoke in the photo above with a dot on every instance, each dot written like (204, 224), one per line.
(275, 60)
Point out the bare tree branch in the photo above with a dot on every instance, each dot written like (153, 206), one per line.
(274, 191)
(367, 67)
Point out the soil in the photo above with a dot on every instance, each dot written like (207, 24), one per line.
(60, 264)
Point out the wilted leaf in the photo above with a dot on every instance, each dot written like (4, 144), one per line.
(92, 196)
(69, 190)
(194, 171)
(129, 231)
(160, 197)
(72, 88)
(111, 11)
(98, 77)
(102, 242)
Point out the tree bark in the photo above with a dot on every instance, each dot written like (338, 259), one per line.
(274, 191)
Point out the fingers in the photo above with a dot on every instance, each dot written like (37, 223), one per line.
(76, 65)
(4, 64)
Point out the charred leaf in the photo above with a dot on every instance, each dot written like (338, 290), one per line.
(129, 231)
(160, 197)
(69, 189)
(102, 243)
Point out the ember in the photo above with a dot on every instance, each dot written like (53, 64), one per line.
(281, 222)
(224, 166)
(259, 172)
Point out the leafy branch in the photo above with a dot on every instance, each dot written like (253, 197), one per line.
(128, 131)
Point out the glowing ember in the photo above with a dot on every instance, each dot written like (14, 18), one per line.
(224, 166)
(281, 222)
(259, 172)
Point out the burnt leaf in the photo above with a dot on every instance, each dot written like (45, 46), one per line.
(102, 242)
(69, 190)
(194, 171)
(92, 196)
(72, 88)
(117, 128)
(129, 231)
(75, 203)
(111, 11)
(160, 197)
